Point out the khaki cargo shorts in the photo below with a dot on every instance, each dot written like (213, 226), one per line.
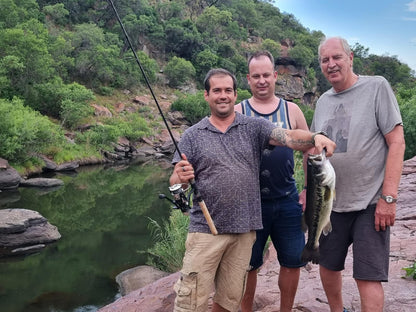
(211, 263)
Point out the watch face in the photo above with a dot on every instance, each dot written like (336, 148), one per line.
(388, 198)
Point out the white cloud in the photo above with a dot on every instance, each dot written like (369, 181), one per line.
(411, 19)
(412, 6)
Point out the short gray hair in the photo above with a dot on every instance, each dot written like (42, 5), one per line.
(343, 41)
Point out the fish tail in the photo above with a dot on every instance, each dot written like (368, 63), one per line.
(310, 253)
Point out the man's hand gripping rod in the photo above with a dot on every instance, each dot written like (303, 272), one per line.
(192, 182)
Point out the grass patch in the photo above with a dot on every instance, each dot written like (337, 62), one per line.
(170, 237)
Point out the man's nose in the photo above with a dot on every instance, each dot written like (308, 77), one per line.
(331, 62)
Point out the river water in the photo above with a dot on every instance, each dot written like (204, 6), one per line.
(103, 217)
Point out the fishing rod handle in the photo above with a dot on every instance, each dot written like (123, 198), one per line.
(208, 217)
(204, 208)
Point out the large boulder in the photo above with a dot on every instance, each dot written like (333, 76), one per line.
(24, 231)
(138, 277)
(9, 177)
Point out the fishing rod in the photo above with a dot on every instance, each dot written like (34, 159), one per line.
(176, 190)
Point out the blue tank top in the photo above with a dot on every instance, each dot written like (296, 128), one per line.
(277, 164)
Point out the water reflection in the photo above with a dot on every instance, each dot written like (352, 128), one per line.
(102, 215)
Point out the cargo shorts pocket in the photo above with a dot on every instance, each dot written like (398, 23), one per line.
(185, 289)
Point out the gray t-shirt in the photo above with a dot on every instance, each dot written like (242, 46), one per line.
(227, 172)
(357, 120)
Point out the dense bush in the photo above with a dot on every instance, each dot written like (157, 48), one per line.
(193, 106)
(179, 71)
(24, 133)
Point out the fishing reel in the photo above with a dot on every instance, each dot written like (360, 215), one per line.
(180, 200)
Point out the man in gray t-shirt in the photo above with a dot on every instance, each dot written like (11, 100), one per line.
(361, 114)
(222, 153)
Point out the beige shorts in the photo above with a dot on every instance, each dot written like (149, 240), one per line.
(211, 263)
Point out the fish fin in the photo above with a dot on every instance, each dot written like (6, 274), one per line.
(304, 225)
(327, 229)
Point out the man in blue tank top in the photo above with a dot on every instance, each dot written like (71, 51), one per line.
(281, 208)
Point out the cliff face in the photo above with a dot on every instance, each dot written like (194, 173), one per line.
(291, 81)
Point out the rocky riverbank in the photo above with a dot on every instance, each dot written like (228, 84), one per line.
(400, 292)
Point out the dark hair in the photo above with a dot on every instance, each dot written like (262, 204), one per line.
(218, 72)
(258, 54)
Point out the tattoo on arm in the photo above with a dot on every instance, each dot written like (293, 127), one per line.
(281, 137)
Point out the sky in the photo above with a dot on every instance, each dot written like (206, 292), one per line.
(386, 27)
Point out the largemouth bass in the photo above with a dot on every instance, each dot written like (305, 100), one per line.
(320, 193)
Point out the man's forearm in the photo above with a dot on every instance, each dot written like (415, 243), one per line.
(298, 139)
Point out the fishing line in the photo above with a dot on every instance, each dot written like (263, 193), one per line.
(144, 75)
(176, 191)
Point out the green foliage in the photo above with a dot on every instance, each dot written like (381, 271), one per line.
(103, 136)
(205, 60)
(74, 105)
(179, 71)
(298, 169)
(133, 126)
(14, 12)
(411, 271)
(407, 102)
(182, 38)
(272, 46)
(24, 132)
(57, 13)
(24, 51)
(193, 106)
(242, 95)
(302, 55)
(307, 112)
(170, 237)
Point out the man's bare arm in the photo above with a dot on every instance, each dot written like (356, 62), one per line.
(301, 140)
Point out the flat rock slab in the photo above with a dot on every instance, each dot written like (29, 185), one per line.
(24, 231)
(42, 182)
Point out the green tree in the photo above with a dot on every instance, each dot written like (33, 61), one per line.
(213, 23)
(205, 60)
(272, 46)
(390, 68)
(179, 71)
(302, 55)
(57, 14)
(182, 38)
(75, 104)
(24, 52)
(13, 12)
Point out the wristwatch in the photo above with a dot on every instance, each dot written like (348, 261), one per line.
(389, 199)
